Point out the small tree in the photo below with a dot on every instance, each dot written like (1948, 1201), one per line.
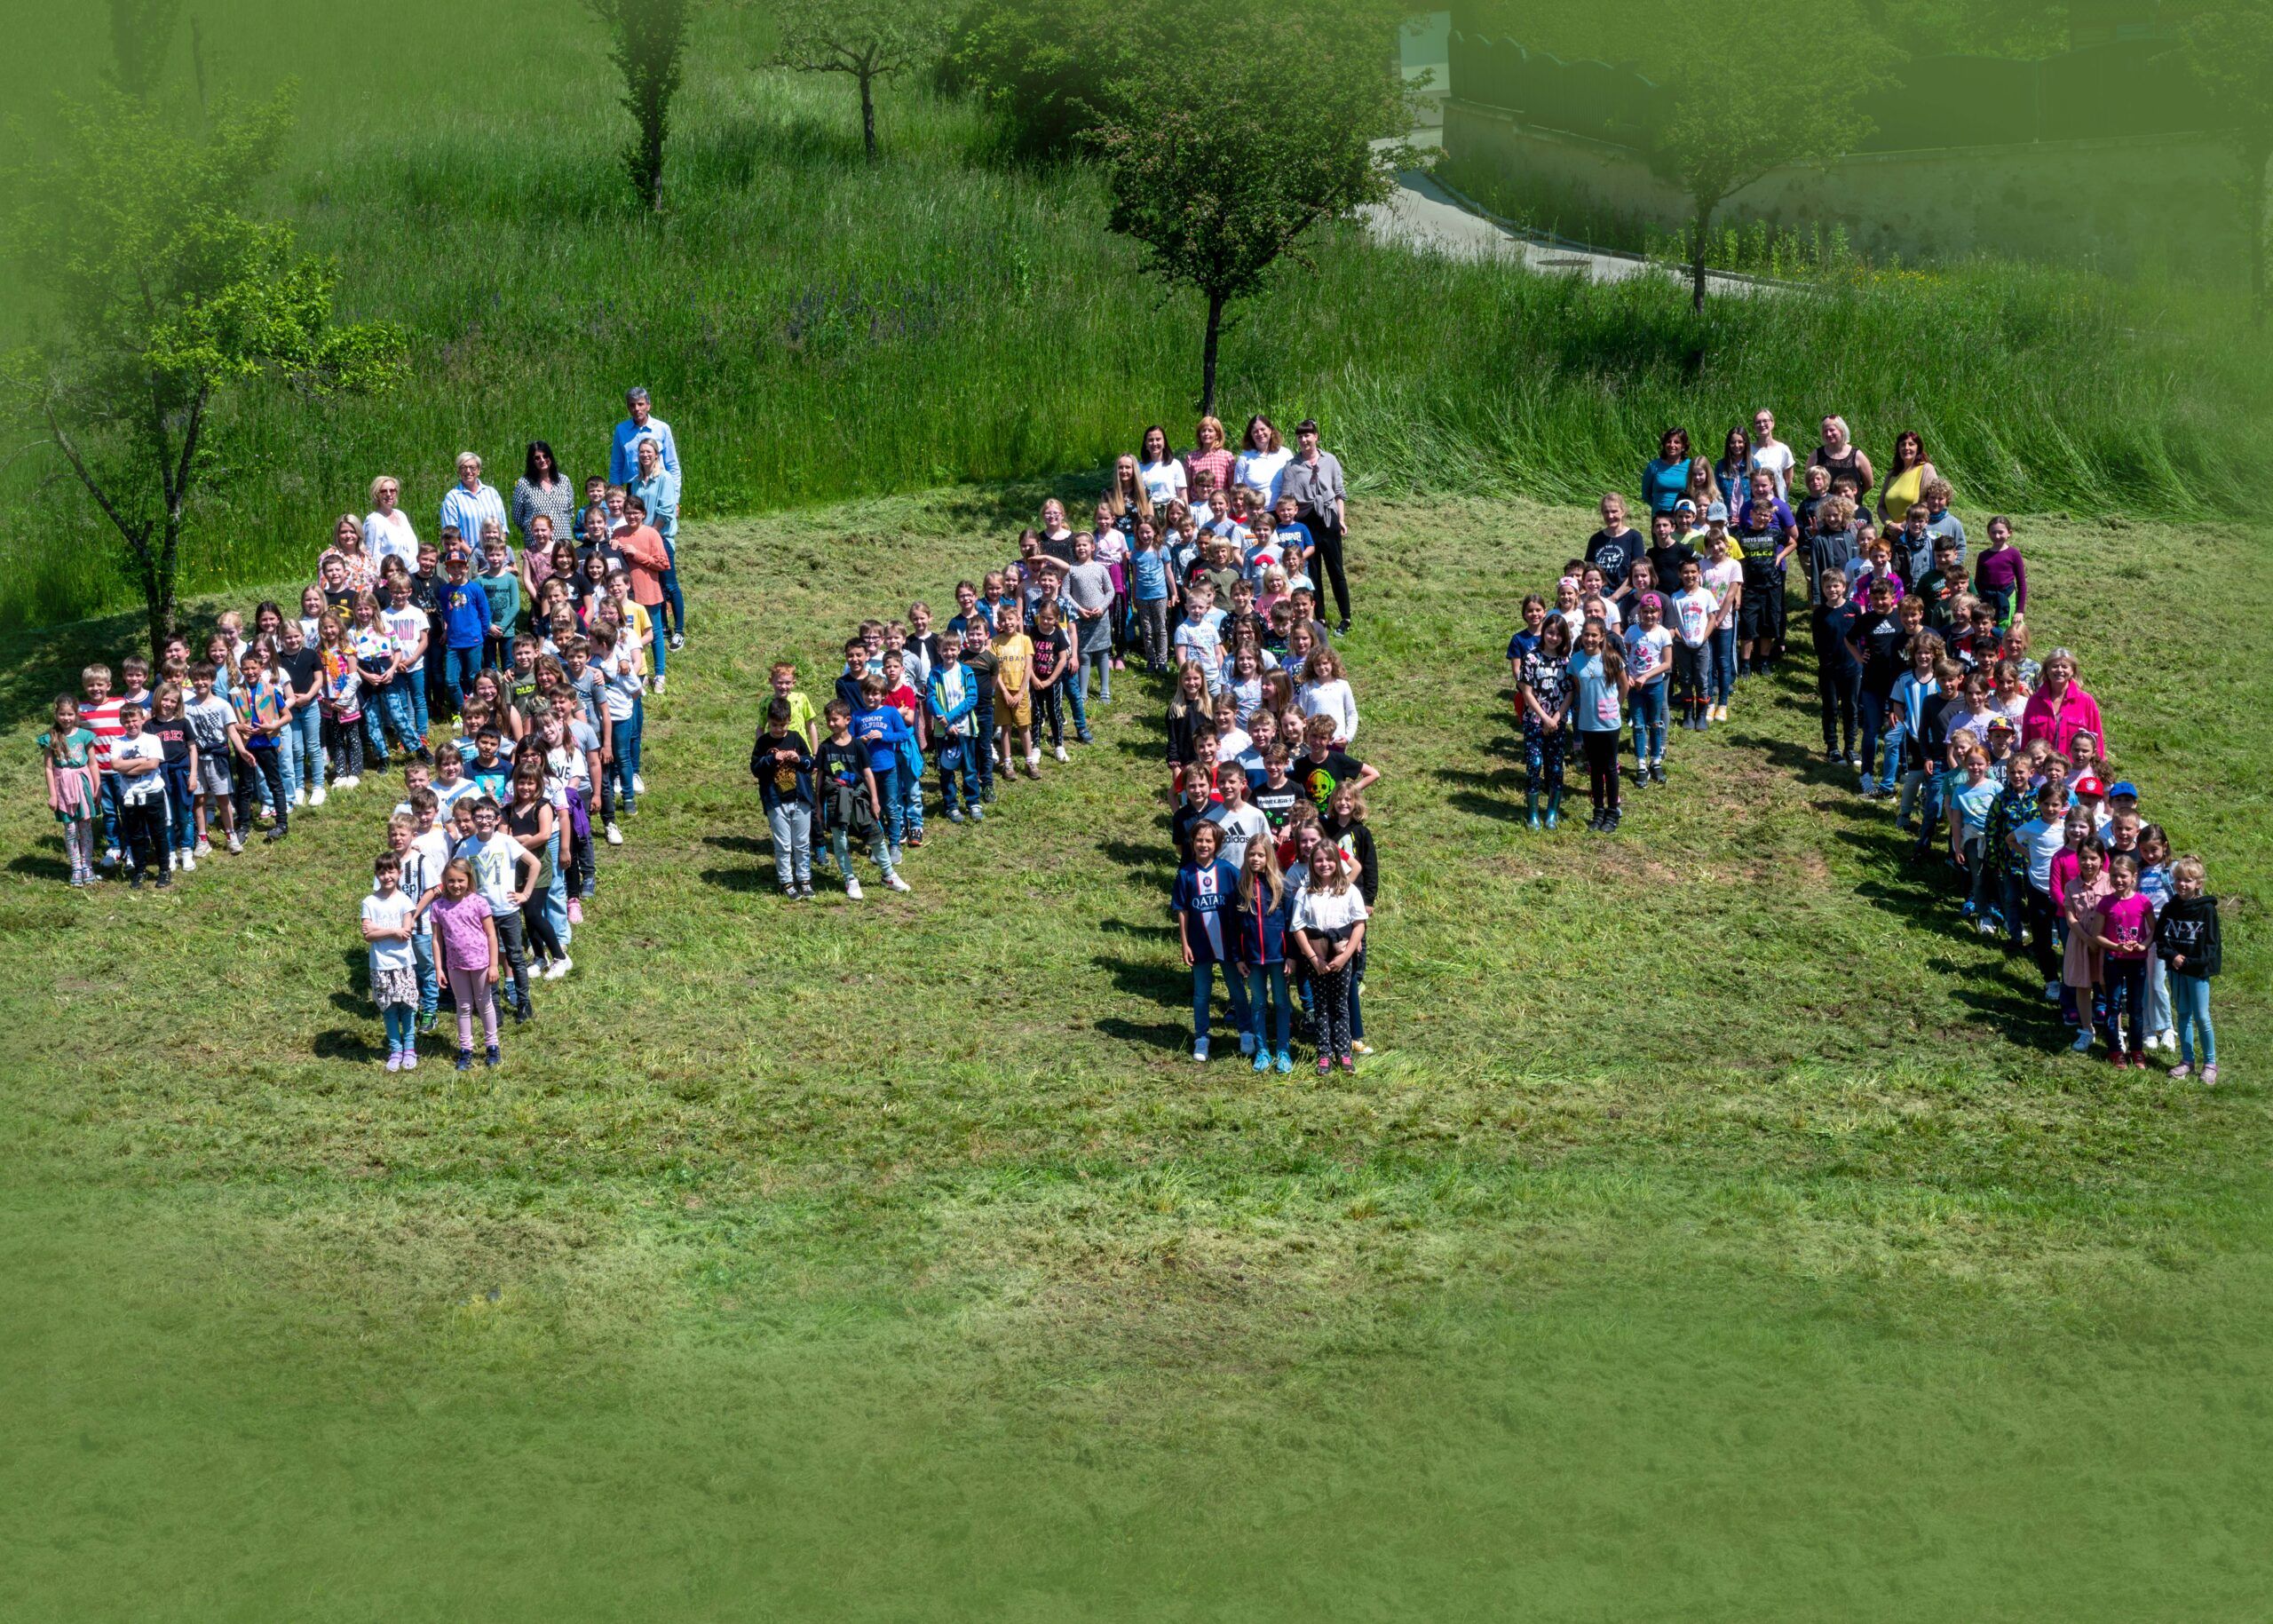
(1216, 175)
(2231, 51)
(866, 40)
(646, 39)
(1719, 139)
(141, 35)
(157, 293)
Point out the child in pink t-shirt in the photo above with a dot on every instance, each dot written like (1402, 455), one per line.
(2123, 929)
(465, 955)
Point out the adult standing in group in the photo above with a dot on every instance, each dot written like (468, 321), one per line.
(1838, 453)
(1165, 478)
(347, 547)
(542, 488)
(2059, 710)
(1665, 477)
(1312, 479)
(1262, 458)
(387, 533)
(470, 505)
(1209, 456)
(1905, 485)
(1769, 455)
(623, 456)
(657, 487)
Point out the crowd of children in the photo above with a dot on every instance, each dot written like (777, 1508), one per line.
(1201, 569)
(1996, 762)
(511, 682)
(1198, 569)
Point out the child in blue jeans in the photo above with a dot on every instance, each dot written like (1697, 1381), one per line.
(1205, 897)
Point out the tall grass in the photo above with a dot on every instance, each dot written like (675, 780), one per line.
(817, 328)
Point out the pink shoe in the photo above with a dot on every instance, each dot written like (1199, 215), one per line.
(575, 911)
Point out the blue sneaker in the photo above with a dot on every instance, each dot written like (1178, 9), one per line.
(1285, 1062)
(1200, 1049)
(978, 813)
(1261, 1059)
(465, 1059)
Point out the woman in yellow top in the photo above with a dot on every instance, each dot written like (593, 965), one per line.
(1906, 485)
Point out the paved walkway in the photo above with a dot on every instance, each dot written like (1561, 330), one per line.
(1425, 216)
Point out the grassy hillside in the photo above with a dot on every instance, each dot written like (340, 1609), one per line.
(1720, 1233)
(817, 329)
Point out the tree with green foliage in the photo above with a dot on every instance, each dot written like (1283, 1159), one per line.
(1041, 66)
(866, 40)
(141, 36)
(156, 294)
(2230, 51)
(646, 39)
(1719, 139)
(1218, 175)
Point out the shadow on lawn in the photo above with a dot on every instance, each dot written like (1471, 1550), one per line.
(1164, 981)
(39, 866)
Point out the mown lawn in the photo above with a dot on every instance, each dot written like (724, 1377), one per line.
(1719, 1234)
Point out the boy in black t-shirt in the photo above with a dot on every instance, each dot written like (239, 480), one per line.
(1838, 674)
(978, 659)
(1323, 769)
(1276, 796)
(1877, 643)
(1668, 552)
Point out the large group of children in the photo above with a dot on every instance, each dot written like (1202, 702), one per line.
(1204, 569)
(1198, 568)
(511, 680)
(1997, 762)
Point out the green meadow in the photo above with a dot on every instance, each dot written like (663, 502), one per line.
(820, 330)
(1720, 1232)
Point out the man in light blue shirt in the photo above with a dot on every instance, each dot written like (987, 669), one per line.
(470, 504)
(623, 458)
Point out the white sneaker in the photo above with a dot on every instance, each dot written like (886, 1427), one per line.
(1034, 756)
(852, 888)
(299, 797)
(2083, 1041)
(316, 796)
(1984, 927)
(2168, 1037)
(204, 848)
(110, 857)
(896, 882)
(236, 845)
(558, 968)
(189, 862)
(1060, 753)
(638, 785)
(659, 684)
(614, 835)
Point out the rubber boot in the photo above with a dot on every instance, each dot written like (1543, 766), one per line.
(1530, 799)
(1554, 806)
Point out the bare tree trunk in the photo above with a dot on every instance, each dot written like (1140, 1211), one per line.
(1208, 356)
(868, 110)
(1704, 224)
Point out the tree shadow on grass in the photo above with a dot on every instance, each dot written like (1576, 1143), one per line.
(752, 881)
(1809, 766)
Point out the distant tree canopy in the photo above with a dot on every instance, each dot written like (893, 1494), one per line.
(1050, 67)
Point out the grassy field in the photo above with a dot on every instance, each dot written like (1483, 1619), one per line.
(818, 329)
(1720, 1233)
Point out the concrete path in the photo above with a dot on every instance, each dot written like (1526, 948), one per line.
(1428, 216)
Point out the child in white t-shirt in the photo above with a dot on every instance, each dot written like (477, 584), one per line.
(1696, 616)
(390, 914)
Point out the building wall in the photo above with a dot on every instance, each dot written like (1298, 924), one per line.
(2141, 202)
